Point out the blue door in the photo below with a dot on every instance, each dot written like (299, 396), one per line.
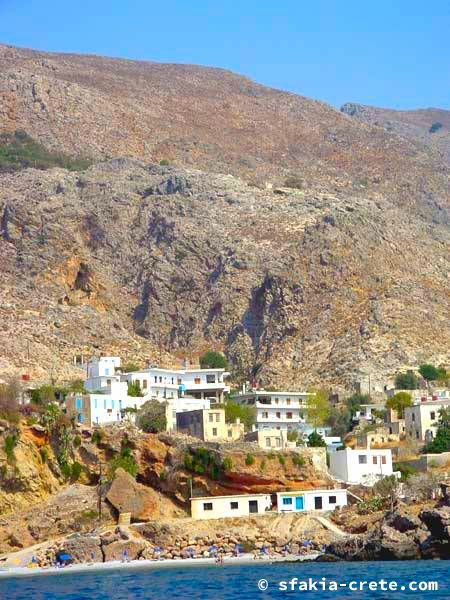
(299, 503)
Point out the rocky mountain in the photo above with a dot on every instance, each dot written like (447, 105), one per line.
(344, 273)
(429, 126)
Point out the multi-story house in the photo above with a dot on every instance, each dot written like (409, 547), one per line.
(209, 425)
(276, 410)
(164, 384)
(422, 418)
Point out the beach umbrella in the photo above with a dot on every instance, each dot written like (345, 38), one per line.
(64, 557)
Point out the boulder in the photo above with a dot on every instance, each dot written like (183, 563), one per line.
(437, 521)
(129, 496)
(115, 550)
(403, 521)
(83, 548)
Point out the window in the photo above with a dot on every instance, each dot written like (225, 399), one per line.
(288, 415)
(112, 403)
(277, 442)
(197, 381)
(207, 506)
(234, 505)
(287, 501)
(214, 432)
(413, 417)
(362, 459)
(95, 403)
(108, 382)
(144, 384)
(288, 401)
(332, 500)
(179, 382)
(265, 415)
(383, 460)
(278, 415)
(171, 381)
(211, 417)
(160, 380)
(268, 445)
(156, 379)
(374, 460)
(276, 400)
(218, 418)
(104, 404)
(433, 416)
(210, 379)
(253, 506)
(318, 502)
(79, 403)
(106, 371)
(230, 433)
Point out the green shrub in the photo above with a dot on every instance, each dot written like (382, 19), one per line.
(89, 515)
(164, 162)
(292, 436)
(249, 460)
(65, 470)
(227, 464)
(77, 441)
(31, 421)
(262, 466)
(96, 437)
(315, 440)
(213, 360)
(281, 460)
(162, 476)
(44, 452)
(10, 444)
(19, 151)
(246, 414)
(75, 471)
(134, 389)
(435, 127)
(271, 455)
(299, 461)
(369, 506)
(124, 461)
(406, 381)
(405, 470)
(188, 461)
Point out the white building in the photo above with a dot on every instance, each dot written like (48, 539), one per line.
(361, 466)
(101, 371)
(220, 507)
(422, 419)
(183, 404)
(302, 501)
(366, 411)
(165, 384)
(276, 410)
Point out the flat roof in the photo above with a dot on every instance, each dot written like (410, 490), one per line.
(267, 393)
(288, 492)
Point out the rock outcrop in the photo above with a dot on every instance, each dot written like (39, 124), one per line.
(126, 495)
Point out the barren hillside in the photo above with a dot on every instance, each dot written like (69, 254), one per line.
(347, 274)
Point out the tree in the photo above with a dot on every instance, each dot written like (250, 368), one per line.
(354, 402)
(9, 406)
(152, 417)
(213, 360)
(77, 386)
(318, 408)
(387, 488)
(399, 402)
(134, 389)
(43, 395)
(441, 442)
(429, 372)
(129, 367)
(244, 412)
(406, 381)
(339, 421)
(315, 440)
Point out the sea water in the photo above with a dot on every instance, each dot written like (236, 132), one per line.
(231, 582)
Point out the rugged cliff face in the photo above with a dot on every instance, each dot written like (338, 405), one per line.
(295, 287)
(347, 274)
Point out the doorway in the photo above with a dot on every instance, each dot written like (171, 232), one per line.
(318, 502)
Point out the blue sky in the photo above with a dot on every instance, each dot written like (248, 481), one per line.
(392, 53)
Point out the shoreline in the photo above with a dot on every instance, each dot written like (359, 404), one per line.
(114, 565)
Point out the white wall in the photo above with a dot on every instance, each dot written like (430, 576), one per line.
(348, 466)
(221, 506)
(103, 366)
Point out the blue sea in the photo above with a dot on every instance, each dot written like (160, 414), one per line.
(236, 581)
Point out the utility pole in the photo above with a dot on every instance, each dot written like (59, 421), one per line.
(99, 489)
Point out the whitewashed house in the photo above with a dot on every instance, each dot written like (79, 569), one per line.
(101, 372)
(167, 384)
(302, 501)
(276, 410)
(220, 507)
(365, 466)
